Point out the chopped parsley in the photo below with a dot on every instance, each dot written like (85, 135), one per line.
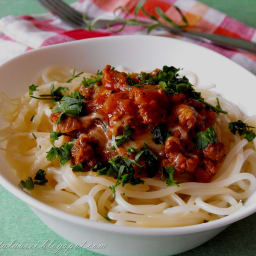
(55, 135)
(31, 89)
(132, 150)
(169, 80)
(70, 105)
(27, 184)
(74, 75)
(121, 168)
(121, 139)
(105, 216)
(242, 129)
(40, 178)
(150, 159)
(63, 153)
(55, 94)
(78, 168)
(160, 133)
(30, 183)
(168, 173)
(218, 107)
(133, 82)
(90, 82)
(123, 172)
(204, 138)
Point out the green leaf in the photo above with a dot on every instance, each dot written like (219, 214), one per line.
(54, 136)
(166, 18)
(152, 17)
(160, 133)
(152, 27)
(52, 154)
(63, 153)
(102, 171)
(31, 89)
(138, 7)
(62, 117)
(168, 172)
(250, 135)
(151, 160)
(74, 75)
(204, 138)
(71, 104)
(121, 139)
(40, 178)
(90, 82)
(218, 108)
(57, 93)
(27, 184)
(132, 150)
(78, 168)
(106, 217)
(242, 129)
(184, 19)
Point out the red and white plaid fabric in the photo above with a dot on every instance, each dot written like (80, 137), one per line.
(22, 33)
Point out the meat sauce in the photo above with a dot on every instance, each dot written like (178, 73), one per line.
(143, 107)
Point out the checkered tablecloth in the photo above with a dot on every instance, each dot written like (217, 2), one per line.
(23, 33)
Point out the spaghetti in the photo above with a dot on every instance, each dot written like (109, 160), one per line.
(79, 186)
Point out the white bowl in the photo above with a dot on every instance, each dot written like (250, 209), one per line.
(136, 53)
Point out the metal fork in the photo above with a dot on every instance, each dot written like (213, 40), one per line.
(73, 17)
(77, 20)
(64, 12)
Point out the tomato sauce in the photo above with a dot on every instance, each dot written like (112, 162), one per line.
(142, 107)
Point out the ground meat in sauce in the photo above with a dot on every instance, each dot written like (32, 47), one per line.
(67, 125)
(82, 151)
(143, 108)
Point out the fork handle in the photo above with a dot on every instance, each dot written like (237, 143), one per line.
(224, 41)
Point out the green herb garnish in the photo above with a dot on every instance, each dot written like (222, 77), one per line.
(160, 133)
(78, 168)
(132, 150)
(71, 105)
(27, 184)
(39, 179)
(55, 136)
(105, 216)
(63, 153)
(90, 82)
(168, 172)
(242, 129)
(218, 107)
(204, 138)
(122, 169)
(31, 89)
(54, 95)
(74, 75)
(121, 139)
(151, 160)
(155, 20)
(34, 136)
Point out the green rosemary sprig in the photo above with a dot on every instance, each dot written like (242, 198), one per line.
(154, 22)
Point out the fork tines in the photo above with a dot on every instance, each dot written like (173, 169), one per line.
(64, 12)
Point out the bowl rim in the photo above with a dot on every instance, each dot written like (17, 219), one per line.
(161, 231)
